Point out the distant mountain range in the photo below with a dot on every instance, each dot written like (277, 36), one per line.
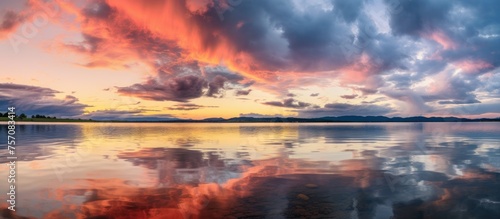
(270, 119)
(339, 119)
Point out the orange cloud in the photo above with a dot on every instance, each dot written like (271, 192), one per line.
(206, 40)
(173, 21)
(11, 21)
(110, 40)
(177, 37)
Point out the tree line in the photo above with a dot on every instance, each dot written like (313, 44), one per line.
(24, 116)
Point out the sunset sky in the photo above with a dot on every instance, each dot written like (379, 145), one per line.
(160, 59)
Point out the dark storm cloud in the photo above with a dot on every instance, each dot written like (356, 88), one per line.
(477, 34)
(222, 79)
(414, 17)
(469, 25)
(179, 89)
(38, 100)
(343, 109)
(288, 103)
(164, 87)
(216, 86)
(265, 44)
(279, 37)
(212, 72)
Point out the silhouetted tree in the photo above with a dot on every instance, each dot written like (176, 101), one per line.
(23, 116)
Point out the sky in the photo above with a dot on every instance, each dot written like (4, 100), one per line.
(195, 59)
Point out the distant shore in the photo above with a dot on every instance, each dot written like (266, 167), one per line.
(340, 119)
(5, 119)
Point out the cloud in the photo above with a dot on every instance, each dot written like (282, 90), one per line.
(11, 20)
(211, 72)
(475, 110)
(39, 100)
(314, 94)
(461, 29)
(376, 100)
(466, 101)
(288, 103)
(216, 87)
(188, 106)
(415, 17)
(127, 115)
(112, 40)
(165, 87)
(352, 96)
(491, 84)
(280, 45)
(243, 92)
(179, 89)
(343, 109)
(289, 39)
(446, 87)
(414, 104)
(26, 16)
(450, 88)
(472, 66)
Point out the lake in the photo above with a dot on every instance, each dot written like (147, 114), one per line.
(255, 170)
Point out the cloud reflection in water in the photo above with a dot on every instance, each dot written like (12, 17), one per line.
(279, 171)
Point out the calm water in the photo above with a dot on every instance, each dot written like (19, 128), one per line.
(393, 170)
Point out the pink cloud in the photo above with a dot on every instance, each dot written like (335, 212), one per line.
(443, 40)
(472, 66)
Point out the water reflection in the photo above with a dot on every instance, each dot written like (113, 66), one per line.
(398, 170)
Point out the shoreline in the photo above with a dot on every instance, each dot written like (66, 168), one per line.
(103, 121)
